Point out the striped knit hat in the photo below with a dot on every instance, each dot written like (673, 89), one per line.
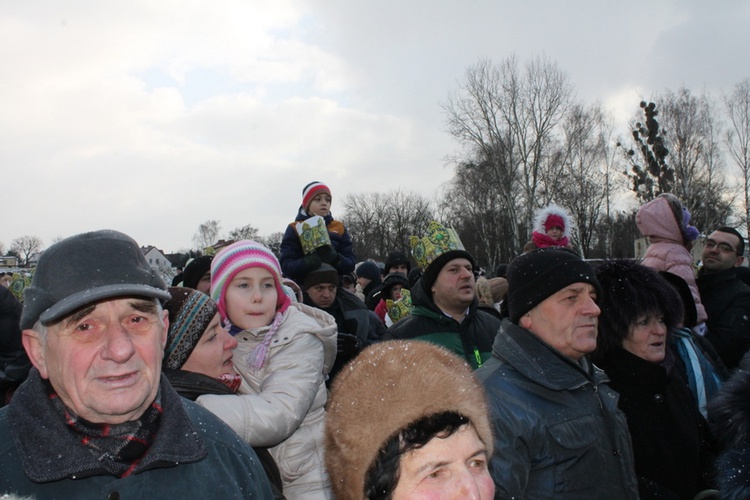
(238, 257)
(311, 190)
(190, 313)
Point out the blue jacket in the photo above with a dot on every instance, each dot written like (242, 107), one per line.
(194, 455)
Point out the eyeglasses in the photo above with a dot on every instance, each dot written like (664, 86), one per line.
(723, 247)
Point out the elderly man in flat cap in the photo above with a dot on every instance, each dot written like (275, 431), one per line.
(95, 418)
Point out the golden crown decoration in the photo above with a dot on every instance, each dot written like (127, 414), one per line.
(313, 233)
(401, 308)
(439, 239)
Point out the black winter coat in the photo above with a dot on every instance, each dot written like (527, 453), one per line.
(727, 303)
(729, 417)
(671, 443)
(14, 363)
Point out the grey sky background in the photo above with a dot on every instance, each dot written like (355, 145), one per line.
(151, 117)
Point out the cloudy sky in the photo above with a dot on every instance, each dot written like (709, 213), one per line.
(154, 116)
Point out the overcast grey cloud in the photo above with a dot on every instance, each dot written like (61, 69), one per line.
(153, 116)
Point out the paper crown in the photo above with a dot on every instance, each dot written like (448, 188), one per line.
(313, 233)
(439, 240)
(401, 308)
(18, 283)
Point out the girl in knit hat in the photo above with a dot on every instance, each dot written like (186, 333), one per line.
(316, 200)
(408, 419)
(198, 358)
(551, 227)
(285, 351)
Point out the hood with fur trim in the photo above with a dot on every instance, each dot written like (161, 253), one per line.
(540, 217)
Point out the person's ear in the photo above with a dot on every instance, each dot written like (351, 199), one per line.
(525, 321)
(35, 349)
(739, 261)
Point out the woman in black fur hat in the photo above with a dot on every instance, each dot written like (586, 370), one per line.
(671, 444)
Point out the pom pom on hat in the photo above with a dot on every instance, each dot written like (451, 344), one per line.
(311, 190)
(238, 257)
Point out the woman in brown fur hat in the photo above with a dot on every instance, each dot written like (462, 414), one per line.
(408, 419)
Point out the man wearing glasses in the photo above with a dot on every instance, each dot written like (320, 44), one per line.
(725, 297)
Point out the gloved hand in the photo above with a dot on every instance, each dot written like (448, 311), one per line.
(312, 261)
(327, 254)
(348, 346)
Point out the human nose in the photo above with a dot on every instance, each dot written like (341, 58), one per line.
(257, 295)
(230, 342)
(591, 309)
(466, 487)
(659, 328)
(119, 345)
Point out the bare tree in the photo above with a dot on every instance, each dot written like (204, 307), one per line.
(691, 132)
(207, 234)
(26, 246)
(2, 248)
(505, 120)
(738, 138)
(582, 182)
(244, 233)
(383, 222)
(273, 242)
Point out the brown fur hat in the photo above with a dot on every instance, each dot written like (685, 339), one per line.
(387, 387)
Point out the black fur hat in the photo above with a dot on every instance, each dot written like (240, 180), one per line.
(628, 291)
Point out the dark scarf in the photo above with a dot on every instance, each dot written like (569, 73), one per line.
(120, 447)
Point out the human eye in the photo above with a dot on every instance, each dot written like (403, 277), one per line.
(710, 244)
(84, 327)
(725, 248)
(478, 463)
(435, 474)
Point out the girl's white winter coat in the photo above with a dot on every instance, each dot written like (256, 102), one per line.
(282, 405)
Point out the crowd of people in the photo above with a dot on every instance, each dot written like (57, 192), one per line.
(312, 376)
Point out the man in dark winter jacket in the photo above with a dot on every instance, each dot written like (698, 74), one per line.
(725, 297)
(358, 327)
(558, 430)
(14, 363)
(96, 418)
(446, 309)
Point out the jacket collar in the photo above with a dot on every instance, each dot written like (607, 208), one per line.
(40, 433)
(542, 363)
(711, 279)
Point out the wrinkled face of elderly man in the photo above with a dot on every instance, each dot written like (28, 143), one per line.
(103, 360)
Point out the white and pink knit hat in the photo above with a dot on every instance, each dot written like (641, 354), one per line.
(311, 190)
(237, 257)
